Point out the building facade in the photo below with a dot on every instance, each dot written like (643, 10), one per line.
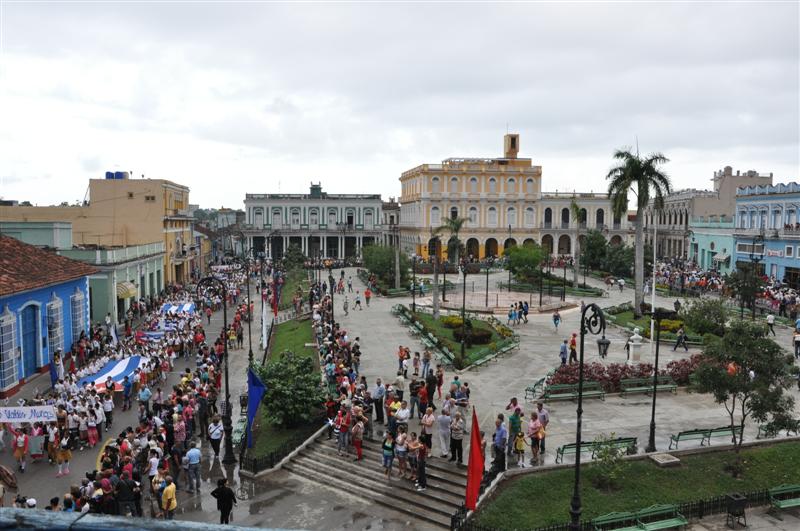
(125, 212)
(768, 230)
(681, 206)
(391, 222)
(44, 307)
(711, 243)
(503, 203)
(335, 225)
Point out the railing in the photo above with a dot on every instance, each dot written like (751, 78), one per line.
(548, 224)
(617, 226)
(270, 459)
(565, 224)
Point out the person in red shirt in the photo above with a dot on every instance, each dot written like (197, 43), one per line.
(367, 295)
(208, 314)
(19, 445)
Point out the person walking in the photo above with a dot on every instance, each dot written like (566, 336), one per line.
(193, 458)
(215, 432)
(168, 500)
(226, 500)
(680, 341)
(367, 295)
(771, 323)
(556, 319)
(357, 301)
(346, 306)
(563, 353)
(573, 349)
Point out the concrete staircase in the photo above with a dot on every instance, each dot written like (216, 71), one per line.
(366, 479)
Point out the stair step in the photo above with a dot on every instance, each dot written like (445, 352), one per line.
(373, 458)
(451, 471)
(410, 506)
(436, 490)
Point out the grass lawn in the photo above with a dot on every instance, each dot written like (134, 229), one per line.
(294, 278)
(293, 335)
(267, 438)
(642, 484)
(442, 332)
(622, 319)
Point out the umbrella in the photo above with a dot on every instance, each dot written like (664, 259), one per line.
(8, 477)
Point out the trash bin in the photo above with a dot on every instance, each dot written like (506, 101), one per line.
(736, 503)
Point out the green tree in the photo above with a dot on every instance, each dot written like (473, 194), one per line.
(743, 284)
(293, 394)
(523, 261)
(706, 316)
(748, 373)
(594, 249)
(579, 215)
(645, 179)
(379, 259)
(453, 227)
(293, 258)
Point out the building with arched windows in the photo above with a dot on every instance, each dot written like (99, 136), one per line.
(335, 225)
(503, 204)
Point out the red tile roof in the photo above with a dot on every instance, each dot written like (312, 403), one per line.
(24, 267)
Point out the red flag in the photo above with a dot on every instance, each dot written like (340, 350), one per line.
(475, 465)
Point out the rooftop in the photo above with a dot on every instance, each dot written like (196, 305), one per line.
(24, 267)
(782, 188)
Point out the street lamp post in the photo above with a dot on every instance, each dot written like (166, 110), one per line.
(658, 314)
(414, 284)
(489, 264)
(463, 267)
(549, 279)
(245, 262)
(330, 289)
(564, 291)
(541, 284)
(592, 322)
(216, 285)
(396, 242)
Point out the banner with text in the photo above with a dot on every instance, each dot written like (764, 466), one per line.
(28, 414)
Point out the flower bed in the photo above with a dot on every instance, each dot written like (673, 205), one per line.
(611, 374)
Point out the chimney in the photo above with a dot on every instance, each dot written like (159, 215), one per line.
(511, 145)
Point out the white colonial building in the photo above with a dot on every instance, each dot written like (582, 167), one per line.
(335, 225)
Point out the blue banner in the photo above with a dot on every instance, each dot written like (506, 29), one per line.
(255, 392)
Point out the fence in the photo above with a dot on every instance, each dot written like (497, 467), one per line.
(696, 509)
(256, 464)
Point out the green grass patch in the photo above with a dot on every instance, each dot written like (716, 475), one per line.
(293, 335)
(268, 438)
(294, 278)
(643, 484)
(474, 352)
(625, 319)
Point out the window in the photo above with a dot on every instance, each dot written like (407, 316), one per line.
(436, 217)
(8, 349)
(258, 218)
(331, 218)
(435, 185)
(789, 253)
(150, 198)
(492, 217)
(55, 324)
(77, 313)
(453, 185)
(277, 222)
(512, 216)
(492, 185)
(314, 217)
(529, 186)
(530, 216)
(453, 212)
(368, 219)
(130, 195)
(473, 185)
(473, 216)
(295, 218)
(512, 186)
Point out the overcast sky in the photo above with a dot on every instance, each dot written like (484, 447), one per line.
(235, 98)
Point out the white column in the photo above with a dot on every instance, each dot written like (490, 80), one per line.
(341, 247)
(324, 246)
(359, 243)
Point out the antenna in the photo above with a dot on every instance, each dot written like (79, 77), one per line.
(637, 144)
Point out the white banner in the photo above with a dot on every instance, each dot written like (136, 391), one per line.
(27, 414)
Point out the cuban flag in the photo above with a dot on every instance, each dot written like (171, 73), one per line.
(187, 307)
(117, 370)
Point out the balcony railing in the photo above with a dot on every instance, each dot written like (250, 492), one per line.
(548, 225)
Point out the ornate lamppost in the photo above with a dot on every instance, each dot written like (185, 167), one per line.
(592, 322)
(463, 267)
(657, 314)
(489, 264)
(414, 283)
(216, 285)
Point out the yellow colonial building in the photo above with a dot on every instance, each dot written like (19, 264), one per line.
(504, 205)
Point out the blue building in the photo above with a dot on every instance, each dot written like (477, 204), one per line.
(44, 306)
(768, 230)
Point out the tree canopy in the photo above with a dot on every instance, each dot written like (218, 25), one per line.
(293, 394)
(379, 259)
(524, 260)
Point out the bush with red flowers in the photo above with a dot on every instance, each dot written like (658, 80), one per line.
(611, 374)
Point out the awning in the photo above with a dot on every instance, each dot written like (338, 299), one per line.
(721, 257)
(126, 289)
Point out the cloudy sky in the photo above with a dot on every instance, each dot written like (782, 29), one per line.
(231, 98)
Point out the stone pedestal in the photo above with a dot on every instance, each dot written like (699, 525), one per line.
(636, 347)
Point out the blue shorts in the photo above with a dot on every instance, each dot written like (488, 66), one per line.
(387, 461)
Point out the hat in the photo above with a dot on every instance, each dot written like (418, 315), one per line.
(31, 502)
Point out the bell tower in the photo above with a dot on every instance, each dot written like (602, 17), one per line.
(511, 145)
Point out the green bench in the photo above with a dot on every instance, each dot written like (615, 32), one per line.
(630, 444)
(688, 435)
(619, 521)
(784, 497)
(769, 431)
(645, 385)
(560, 392)
(532, 390)
(592, 390)
(572, 449)
(658, 517)
(725, 431)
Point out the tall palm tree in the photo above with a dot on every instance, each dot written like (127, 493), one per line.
(452, 226)
(576, 215)
(647, 181)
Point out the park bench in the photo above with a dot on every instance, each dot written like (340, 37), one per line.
(592, 390)
(619, 521)
(724, 431)
(768, 431)
(660, 517)
(784, 497)
(560, 391)
(630, 444)
(532, 390)
(688, 435)
(571, 449)
(645, 385)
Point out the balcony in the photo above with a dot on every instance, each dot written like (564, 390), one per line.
(565, 224)
(547, 225)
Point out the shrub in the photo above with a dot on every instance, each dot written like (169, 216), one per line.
(708, 316)
(451, 321)
(669, 325)
(681, 370)
(621, 308)
(475, 336)
(609, 465)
